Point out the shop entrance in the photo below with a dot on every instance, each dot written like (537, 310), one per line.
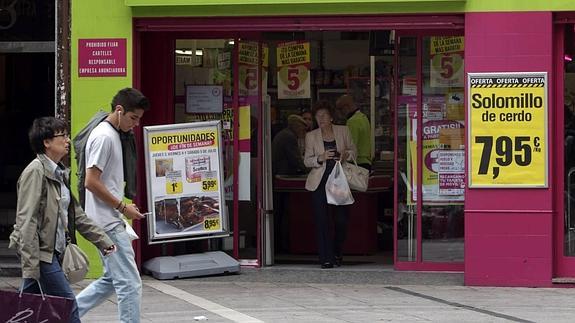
(389, 75)
(358, 64)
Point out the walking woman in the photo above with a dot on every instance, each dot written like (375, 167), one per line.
(47, 214)
(323, 146)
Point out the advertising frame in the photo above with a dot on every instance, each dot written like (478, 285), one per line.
(525, 99)
(186, 198)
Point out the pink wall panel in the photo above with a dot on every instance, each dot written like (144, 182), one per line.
(512, 248)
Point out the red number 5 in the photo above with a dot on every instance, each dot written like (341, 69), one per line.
(447, 66)
(293, 79)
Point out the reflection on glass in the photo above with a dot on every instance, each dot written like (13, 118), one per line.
(406, 114)
(443, 150)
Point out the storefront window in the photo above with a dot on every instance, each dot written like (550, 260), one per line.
(430, 141)
(443, 144)
(202, 65)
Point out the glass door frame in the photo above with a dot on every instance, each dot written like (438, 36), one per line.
(564, 266)
(419, 264)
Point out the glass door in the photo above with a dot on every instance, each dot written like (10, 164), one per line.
(234, 67)
(565, 223)
(430, 146)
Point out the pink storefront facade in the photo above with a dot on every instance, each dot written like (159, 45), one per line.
(518, 237)
(497, 236)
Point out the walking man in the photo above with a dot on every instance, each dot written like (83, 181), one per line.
(104, 204)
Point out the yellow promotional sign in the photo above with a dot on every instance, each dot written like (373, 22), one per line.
(184, 176)
(293, 53)
(446, 61)
(248, 53)
(265, 55)
(447, 44)
(293, 60)
(508, 129)
(248, 62)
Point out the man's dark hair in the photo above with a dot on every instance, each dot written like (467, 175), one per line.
(44, 128)
(131, 99)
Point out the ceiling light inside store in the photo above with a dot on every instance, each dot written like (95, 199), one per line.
(231, 42)
(199, 52)
(568, 58)
(184, 52)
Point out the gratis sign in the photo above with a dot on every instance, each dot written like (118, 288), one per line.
(507, 133)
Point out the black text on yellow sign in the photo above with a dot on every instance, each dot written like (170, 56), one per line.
(507, 132)
(212, 223)
(174, 182)
(209, 185)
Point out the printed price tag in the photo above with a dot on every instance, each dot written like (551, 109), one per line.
(174, 182)
(212, 224)
(209, 182)
(507, 150)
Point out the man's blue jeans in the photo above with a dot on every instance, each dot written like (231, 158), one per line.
(53, 283)
(121, 276)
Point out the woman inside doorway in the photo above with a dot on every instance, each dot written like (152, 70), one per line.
(323, 146)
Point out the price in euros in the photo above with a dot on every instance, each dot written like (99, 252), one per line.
(507, 151)
(209, 185)
(212, 224)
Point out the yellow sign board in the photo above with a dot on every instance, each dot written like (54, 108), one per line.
(507, 129)
(447, 44)
(293, 61)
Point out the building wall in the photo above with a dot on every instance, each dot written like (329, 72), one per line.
(182, 8)
(518, 240)
(96, 19)
(509, 232)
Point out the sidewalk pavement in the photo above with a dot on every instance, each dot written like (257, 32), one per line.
(308, 294)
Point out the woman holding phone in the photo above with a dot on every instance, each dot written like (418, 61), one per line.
(323, 146)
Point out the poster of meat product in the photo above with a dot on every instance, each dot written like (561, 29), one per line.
(184, 181)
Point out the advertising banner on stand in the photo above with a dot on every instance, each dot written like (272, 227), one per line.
(293, 60)
(507, 131)
(185, 181)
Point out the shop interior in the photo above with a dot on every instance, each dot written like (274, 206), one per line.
(384, 85)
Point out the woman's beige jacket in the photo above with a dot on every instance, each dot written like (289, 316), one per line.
(37, 212)
(314, 147)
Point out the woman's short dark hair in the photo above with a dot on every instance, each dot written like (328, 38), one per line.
(44, 128)
(131, 99)
(323, 105)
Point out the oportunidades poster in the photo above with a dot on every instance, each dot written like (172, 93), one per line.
(183, 165)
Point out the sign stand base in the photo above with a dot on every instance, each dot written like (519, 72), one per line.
(192, 265)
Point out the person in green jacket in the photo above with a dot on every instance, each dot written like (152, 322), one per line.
(359, 127)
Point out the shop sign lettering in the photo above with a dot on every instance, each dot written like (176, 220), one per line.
(102, 57)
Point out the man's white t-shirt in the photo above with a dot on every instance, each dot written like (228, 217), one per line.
(104, 151)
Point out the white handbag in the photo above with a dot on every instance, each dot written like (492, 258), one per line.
(357, 177)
